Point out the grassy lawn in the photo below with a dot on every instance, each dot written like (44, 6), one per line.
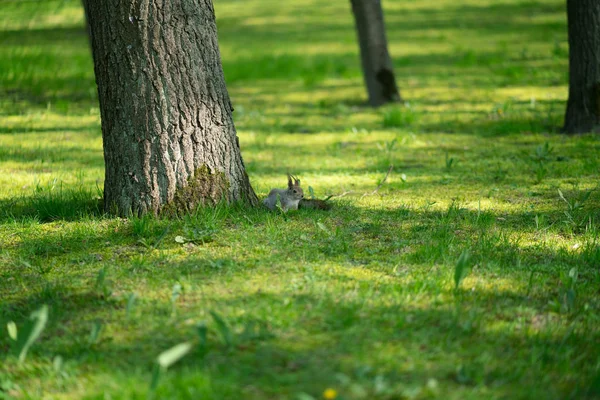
(360, 302)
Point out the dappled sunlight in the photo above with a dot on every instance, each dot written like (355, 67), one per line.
(368, 299)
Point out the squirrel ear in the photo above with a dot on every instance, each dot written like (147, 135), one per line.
(296, 180)
(289, 180)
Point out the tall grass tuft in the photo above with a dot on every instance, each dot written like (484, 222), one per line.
(398, 117)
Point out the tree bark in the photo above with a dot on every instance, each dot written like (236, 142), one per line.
(167, 127)
(583, 106)
(377, 67)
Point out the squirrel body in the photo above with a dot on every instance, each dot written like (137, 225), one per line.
(289, 198)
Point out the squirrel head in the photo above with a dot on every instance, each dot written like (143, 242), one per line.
(294, 190)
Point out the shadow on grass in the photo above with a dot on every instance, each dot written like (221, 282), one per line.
(396, 347)
(62, 36)
(481, 66)
(424, 26)
(51, 203)
(505, 19)
(61, 153)
(63, 79)
(310, 329)
(409, 236)
(512, 117)
(90, 129)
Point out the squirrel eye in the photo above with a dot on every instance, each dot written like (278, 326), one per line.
(295, 191)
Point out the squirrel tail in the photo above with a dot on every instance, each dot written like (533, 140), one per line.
(314, 204)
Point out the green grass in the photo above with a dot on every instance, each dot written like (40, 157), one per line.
(471, 272)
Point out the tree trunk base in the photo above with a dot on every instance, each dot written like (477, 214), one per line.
(378, 71)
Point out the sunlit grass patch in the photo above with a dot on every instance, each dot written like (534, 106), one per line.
(399, 117)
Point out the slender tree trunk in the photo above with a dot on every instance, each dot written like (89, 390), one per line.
(377, 67)
(583, 107)
(168, 133)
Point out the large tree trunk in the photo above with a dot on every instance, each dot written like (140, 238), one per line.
(377, 67)
(169, 138)
(583, 107)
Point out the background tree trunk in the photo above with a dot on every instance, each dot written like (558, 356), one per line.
(168, 133)
(583, 107)
(377, 67)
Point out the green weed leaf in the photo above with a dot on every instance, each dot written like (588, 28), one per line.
(39, 318)
(461, 269)
(130, 304)
(176, 292)
(573, 274)
(57, 363)
(223, 329)
(156, 372)
(323, 228)
(11, 327)
(560, 194)
(174, 354)
(95, 332)
(202, 334)
(101, 278)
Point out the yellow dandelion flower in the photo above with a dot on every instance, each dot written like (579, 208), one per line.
(329, 394)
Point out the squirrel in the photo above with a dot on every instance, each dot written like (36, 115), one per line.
(292, 198)
(289, 198)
